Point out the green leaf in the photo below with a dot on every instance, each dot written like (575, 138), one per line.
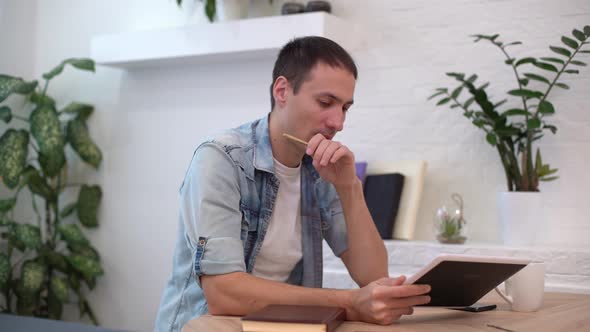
(545, 66)
(579, 35)
(456, 92)
(87, 266)
(472, 78)
(515, 111)
(533, 123)
(468, 102)
(546, 107)
(562, 85)
(42, 100)
(585, 51)
(479, 123)
(68, 209)
(57, 261)
(84, 250)
(210, 9)
(59, 287)
(552, 128)
(555, 60)
(5, 271)
(492, 139)
(537, 78)
(37, 183)
(524, 61)
(5, 114)
(46, 129)
(79, 139)
(72, 234)
(513, 43)
(526, 93)
(509, 61)
(84, 64)
(438, 93)
(560, 51)
(569, 42)
(523, 81)
(82, 111)
(14, 148)
(32, 276)
(506, 132)
(500, 103)
(551, 178)
(571, 71)
(7, 204)
(587, 30)
(443, 101)
(578, 63)
(29, 235)
(10, 85)
(88, 202)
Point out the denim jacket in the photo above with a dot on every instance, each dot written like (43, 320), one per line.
(226, 202)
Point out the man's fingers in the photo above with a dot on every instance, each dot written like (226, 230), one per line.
(329, 152)
(320, 151)
(391, 281)
(313, 144)
(342, 151)
(408, 290)
(407, 302)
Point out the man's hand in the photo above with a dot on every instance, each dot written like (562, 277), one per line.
(385, 300)
(333, 161)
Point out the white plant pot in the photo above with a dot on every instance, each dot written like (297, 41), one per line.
(230, 10)
(520, 218)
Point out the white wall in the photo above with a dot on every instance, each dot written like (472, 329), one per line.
(148, 121)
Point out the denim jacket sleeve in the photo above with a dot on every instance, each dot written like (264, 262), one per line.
(210, 200)
(335, 231)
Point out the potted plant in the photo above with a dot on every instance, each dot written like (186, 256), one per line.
(513, 131)
(46, 262)
(227, 10)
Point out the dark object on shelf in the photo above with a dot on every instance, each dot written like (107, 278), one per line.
(318, 6)
(383, 193)
(292, 8)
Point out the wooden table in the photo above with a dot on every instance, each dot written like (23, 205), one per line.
(561, 312)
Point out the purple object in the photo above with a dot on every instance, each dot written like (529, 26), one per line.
(361, 170)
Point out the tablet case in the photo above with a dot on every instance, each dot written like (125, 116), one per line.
(461, 284)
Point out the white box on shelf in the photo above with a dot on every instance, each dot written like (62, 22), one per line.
(216, 42)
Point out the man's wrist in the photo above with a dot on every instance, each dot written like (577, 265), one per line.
(349, 188)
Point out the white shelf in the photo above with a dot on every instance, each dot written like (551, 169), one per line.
(204, 43)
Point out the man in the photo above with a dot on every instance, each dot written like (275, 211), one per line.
(255, 207)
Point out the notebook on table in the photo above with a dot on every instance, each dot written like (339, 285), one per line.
(294, 318)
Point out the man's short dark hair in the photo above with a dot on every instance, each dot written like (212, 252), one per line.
(299, 56)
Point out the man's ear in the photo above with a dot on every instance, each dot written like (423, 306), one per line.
(280, 90)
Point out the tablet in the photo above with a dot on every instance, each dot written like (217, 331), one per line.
(461, 280)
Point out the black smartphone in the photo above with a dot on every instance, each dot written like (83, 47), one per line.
(477, 307)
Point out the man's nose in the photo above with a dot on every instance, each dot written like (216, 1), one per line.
(336, 120)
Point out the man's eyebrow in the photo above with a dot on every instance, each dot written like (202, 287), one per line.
(328, 94)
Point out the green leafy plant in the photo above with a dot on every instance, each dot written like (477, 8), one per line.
(513, 131)
(47, 263)
(210, 8)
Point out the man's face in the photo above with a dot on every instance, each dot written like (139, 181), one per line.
(321, 103)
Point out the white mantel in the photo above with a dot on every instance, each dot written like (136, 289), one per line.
(567, 270)
(217, 42)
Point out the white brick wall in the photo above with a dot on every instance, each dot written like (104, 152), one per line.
(567, 270)
(148, 121)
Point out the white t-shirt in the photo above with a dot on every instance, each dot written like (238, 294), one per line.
(281, 248)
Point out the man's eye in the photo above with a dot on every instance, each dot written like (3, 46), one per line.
(324, 103)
